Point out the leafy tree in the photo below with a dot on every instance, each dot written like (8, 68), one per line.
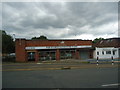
(97, 39)
(8, 45)
(42, 37)
(0, 42)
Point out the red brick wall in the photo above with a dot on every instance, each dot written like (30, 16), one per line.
(77, 54)
(57, 54)
(20, 50)
(91, 53)
(57, 42)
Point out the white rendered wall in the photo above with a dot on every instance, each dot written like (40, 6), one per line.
(106, 56)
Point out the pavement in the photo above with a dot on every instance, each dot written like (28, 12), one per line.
(53, 66)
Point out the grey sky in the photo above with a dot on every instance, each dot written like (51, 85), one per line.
(61, 20)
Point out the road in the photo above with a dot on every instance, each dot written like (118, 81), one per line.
(95, 77)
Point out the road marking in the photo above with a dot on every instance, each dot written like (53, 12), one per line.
(116, 84)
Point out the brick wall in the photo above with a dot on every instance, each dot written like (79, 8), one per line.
(20, 50)
(57, 42)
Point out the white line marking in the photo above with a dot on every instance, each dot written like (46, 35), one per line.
(116, 84)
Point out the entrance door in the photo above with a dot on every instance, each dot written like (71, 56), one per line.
(31, 56)
(84, 54)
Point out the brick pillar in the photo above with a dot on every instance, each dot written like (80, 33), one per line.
(77, 56)
(57, 54)
(73, 55)
(36, 56)
(20, 51)
(26, 56)
(90, 53)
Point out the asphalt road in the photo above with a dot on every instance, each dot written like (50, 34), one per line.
(69, 78)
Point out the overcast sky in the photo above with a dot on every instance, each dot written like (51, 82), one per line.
(61, 20)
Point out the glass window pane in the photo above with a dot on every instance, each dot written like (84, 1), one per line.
(108, 52)
(97, 53)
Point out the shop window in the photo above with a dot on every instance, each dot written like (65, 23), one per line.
(66, 54)
(47, 55)
(31, 56)
(108, 52)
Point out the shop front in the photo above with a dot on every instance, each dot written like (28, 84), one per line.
(42, 50)
(46, 55)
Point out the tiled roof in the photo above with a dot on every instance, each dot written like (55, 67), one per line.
(111, 42)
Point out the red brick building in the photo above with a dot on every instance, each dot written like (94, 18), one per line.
(38, 50)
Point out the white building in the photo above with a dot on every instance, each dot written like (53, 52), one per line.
(107, 49)
(106, 53)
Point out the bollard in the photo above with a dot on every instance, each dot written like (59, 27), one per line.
(97, 62)
(112, 62)
(97, 58)
(112, 57)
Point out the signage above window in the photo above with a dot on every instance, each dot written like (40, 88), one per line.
(57, 47)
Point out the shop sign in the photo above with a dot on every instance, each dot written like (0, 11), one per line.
(57, 47)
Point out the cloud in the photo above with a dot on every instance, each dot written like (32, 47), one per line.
(60, 19)
(0, 15)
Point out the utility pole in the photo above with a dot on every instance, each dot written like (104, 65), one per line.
(13, 37)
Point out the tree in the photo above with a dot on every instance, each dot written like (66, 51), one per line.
(0, 42)
(97, 39)
(42, 37)
(8, 45)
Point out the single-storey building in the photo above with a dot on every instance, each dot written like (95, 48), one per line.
(38, 50)
(107, 49)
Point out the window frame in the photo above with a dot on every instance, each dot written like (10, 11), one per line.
(97, 52)
(114, 52)
(103, 53)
